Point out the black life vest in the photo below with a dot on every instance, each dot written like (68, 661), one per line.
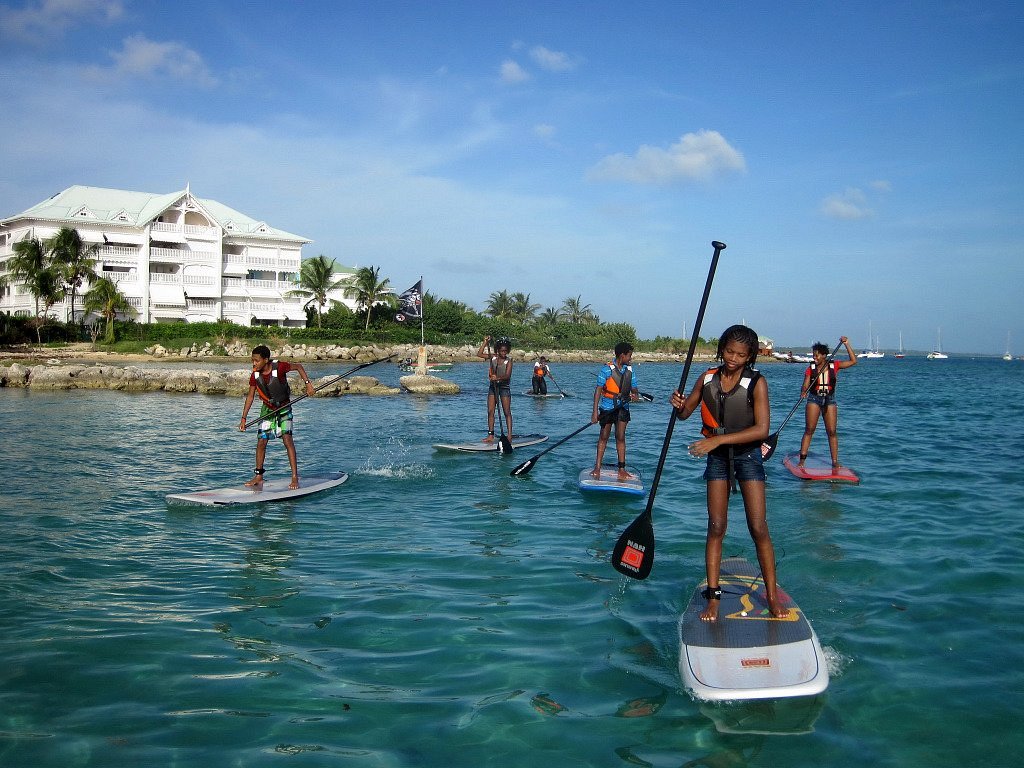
(274, 390)
(723, 412)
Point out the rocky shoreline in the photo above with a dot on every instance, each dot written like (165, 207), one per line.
(81, 366)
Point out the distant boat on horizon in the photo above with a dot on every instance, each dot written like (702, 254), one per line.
(1007, 355)
(900, 355)
(869, 353)
(937, 353)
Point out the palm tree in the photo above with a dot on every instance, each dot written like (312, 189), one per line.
(550, 316)
(32, 265)
(368, 290)
(29, 260)
(522, 309)
(106, 299)
(499, 305)
(316, 280)
(576, 311)
(75, 261)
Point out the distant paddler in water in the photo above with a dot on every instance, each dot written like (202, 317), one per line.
(616, 388)
(499, 378)
(269, 380)
(820, 386)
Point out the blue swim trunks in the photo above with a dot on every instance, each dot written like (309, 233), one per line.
(747, 465)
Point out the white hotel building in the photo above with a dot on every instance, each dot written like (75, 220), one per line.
(174, 256)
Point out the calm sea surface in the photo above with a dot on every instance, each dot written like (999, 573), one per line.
(434, 611)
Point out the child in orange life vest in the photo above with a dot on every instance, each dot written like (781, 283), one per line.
(540, 370)
(821, 397)
(616, 387)
(733, 399)
(499, 376)
(270, 381)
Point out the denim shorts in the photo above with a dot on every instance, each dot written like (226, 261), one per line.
(748, 465)
(822, 401)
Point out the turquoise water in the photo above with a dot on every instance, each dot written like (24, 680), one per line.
(434, 611)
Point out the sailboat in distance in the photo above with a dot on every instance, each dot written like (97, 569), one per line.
(869, 353)
(1007, 355)
(937, 353)
(899, 355)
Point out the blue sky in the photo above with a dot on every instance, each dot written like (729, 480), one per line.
(863, 161)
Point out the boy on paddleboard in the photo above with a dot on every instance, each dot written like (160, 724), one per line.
(540, 370)
(499, 378)
(821, 397)
(733, 400)
(269, 380)
(616, 387)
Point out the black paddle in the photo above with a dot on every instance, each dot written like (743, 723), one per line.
(504, 444)
(527, 465)
(633, 554)
(646, 397)
(768, 446)
(328, 383)
(556, 385)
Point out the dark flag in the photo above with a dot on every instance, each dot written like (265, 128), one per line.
(410, 304)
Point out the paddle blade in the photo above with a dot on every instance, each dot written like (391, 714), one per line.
(504, 444)
(768, 446)
(524, 468)
(633, 555)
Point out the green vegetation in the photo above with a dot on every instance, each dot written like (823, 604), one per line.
(63, 264)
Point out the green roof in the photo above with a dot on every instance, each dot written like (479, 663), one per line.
(119, 207)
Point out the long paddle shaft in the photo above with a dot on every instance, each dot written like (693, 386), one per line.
(504, 443)
(328, 383)
(527, 465)
(768, 446)
(633, 554)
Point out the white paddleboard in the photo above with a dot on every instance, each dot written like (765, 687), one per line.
(477, 446)
(542, 396)
(746, 654)
(609, 480)
(272, 490)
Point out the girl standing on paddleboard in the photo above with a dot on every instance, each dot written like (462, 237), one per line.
(821, 397)
(733, 399)
(499, 376)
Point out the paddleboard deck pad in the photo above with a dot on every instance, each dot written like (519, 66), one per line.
(818, 467)
(478, 446)
(272, 490)
(609, 480)
(746, 654)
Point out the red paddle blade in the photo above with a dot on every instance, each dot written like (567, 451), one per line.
(633, 554)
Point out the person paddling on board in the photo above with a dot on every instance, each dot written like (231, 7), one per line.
(269, 380)
(616, 386)
(733, 400)
(540, 370)
(499, 377)
(821, 397)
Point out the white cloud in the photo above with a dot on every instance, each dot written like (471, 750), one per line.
(544, 131)
(849, 205)
(141, 57)
(695, 157)
(511, 72)
(881, 185)
(48, 19)
(553, 61)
